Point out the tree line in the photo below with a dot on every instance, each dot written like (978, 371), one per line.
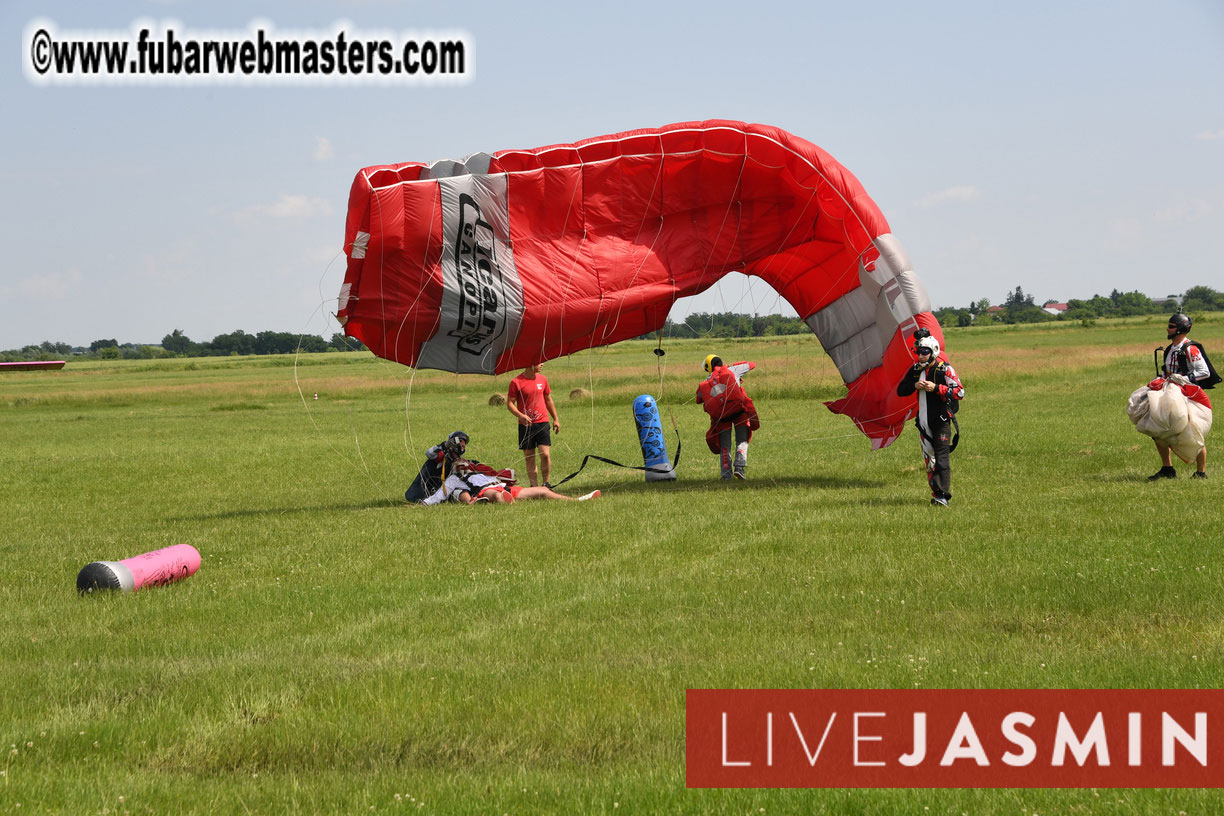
(177, 344)
(1017, 307)
(729, 324)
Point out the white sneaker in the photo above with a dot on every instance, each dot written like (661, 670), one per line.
(594, 494)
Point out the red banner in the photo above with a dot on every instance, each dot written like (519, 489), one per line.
(950, 738)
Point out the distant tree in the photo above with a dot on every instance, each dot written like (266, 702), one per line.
(1202, 299)
(342, 342)
(98, 345)
(237, 342)
(109, 352)
(1020, 308)
(951, 315)
(1018, 298)
(269, 342)
(178, 343)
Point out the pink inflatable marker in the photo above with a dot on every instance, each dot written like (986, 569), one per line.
(155, 568)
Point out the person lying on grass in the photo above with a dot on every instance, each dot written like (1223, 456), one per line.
(470, 483)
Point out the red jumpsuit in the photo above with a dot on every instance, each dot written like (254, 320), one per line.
(730, 409)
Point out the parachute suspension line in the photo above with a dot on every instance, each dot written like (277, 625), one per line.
(569, 208)
(573, 265)
(409, 444)
(786, 238)
(732, 202)
(659, 353)
(860, 262)
(659, 362)
(309, 415)
(357, 443)
(849, 208)
(323, 301)
(423, 272)
(636, 239)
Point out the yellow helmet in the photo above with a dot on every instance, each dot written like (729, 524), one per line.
(709, 362)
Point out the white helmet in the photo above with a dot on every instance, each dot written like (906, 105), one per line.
(928, 343)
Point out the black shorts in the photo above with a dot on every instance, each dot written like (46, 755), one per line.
(534, 435)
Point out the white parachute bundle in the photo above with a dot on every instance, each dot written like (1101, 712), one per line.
(1171, 418)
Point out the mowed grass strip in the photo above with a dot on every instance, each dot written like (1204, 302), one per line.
(339, 650)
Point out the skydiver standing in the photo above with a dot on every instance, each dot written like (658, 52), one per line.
(941, 393)
(731, 411)
(530, 400)
(1186, 358)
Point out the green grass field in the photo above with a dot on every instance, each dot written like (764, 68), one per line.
(342, 652)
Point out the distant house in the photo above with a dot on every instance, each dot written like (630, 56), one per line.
(1171, 302)
(1054, 308)
(995, 309)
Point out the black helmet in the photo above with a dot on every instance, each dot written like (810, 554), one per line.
(1179, 324)
(456, 444)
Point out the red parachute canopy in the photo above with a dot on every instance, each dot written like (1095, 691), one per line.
(498, 261)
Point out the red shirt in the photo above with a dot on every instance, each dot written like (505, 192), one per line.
(528, 395)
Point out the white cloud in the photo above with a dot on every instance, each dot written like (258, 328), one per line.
(964, 192)
(1209, 135)
(1188, 210)
(323, 149)
(50, 286)
(286, 206)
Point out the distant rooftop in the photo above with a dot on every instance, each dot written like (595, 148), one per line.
(33, 365)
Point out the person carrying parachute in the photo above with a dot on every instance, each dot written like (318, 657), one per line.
(731, 411)
(1172, 409)
(937, 406)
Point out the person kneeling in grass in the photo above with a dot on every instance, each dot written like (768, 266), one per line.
(469, 484)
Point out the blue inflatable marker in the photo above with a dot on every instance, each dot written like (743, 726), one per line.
(654, 447)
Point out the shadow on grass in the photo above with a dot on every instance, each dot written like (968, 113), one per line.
(1138, 478)
(717, 485)
(677, 487)
(380, 504)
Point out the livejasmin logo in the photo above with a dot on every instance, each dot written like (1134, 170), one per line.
(954, 738)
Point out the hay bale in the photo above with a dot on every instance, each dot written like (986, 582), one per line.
(579, 394)
(497, 399)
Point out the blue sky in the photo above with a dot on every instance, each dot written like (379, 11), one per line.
(1068, 148)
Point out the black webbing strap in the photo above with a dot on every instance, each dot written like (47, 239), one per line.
(652, 469)
(955, 436)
